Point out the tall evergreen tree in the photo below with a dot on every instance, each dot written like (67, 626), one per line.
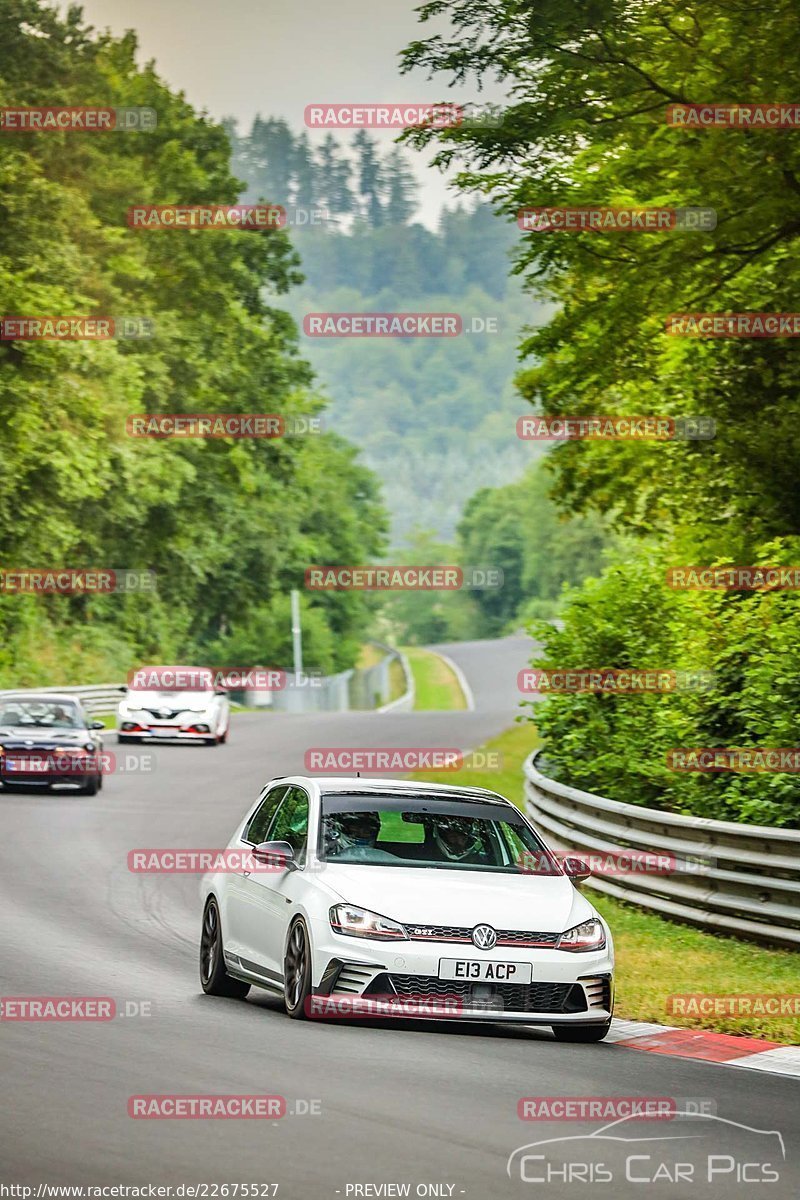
(370, 179)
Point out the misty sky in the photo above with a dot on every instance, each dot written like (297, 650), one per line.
(239, 57)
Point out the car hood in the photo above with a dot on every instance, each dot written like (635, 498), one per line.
(430, 896)
(20, 734)
(195, 701)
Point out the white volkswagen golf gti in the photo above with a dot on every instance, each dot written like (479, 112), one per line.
(375, 889)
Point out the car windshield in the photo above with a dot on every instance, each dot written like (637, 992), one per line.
(45, 714)
(430, 831)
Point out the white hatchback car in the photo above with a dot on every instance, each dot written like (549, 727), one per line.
(197, 714)
(373, 890)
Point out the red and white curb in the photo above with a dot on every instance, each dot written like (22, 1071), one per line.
(725, 1049)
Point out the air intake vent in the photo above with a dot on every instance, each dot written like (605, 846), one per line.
(352, 980)
(598, 991)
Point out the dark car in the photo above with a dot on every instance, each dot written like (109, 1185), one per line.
(48, 739)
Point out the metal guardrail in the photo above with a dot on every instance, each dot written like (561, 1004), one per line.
(329, 693)
(404, 703)
(724, 876)
(102, 698)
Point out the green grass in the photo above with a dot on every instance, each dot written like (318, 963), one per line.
(657, 958)
(108, 719)
(436, 686)
(397, 680)
(369, 656)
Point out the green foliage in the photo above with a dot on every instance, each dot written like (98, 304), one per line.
(435, 417)
(227, 526)
(617, 744)
(519, 530)
(585, 126)
(418, 618)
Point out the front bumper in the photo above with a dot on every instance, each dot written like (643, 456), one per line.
(164, 733)
(43, 780)
(567, 988)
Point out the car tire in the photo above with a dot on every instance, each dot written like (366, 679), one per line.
(90, 787)
(581, 1033)
(214, 979)
(297, 971)
(122, 738)
(223, 739)
(210, 742)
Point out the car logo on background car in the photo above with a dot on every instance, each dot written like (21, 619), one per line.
(484, 937)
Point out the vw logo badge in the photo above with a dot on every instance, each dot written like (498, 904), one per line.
(484, 937)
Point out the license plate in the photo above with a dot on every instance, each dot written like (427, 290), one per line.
(477, 971)
(29, 766)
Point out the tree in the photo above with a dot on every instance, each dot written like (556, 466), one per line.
(335, 177)
(370, 179)
(400, 189)
(225, 525)
(589, 86)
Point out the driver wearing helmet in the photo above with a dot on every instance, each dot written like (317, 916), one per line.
(458, 841)
(353, 834)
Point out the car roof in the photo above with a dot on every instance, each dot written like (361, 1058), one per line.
(353, 785)
(52, 697)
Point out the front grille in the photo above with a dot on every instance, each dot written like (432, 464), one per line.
(508, 997)
(463, 933)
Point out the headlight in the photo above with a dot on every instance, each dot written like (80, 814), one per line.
(359, 922)
(590, 935)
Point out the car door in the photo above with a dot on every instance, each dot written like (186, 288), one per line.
(270, 893)
(239, 897)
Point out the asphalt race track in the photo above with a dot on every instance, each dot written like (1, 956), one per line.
(409, 1103)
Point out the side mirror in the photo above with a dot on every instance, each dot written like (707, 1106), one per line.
(576, 869)
(97, 725)
(279, 854)
(220, 691)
